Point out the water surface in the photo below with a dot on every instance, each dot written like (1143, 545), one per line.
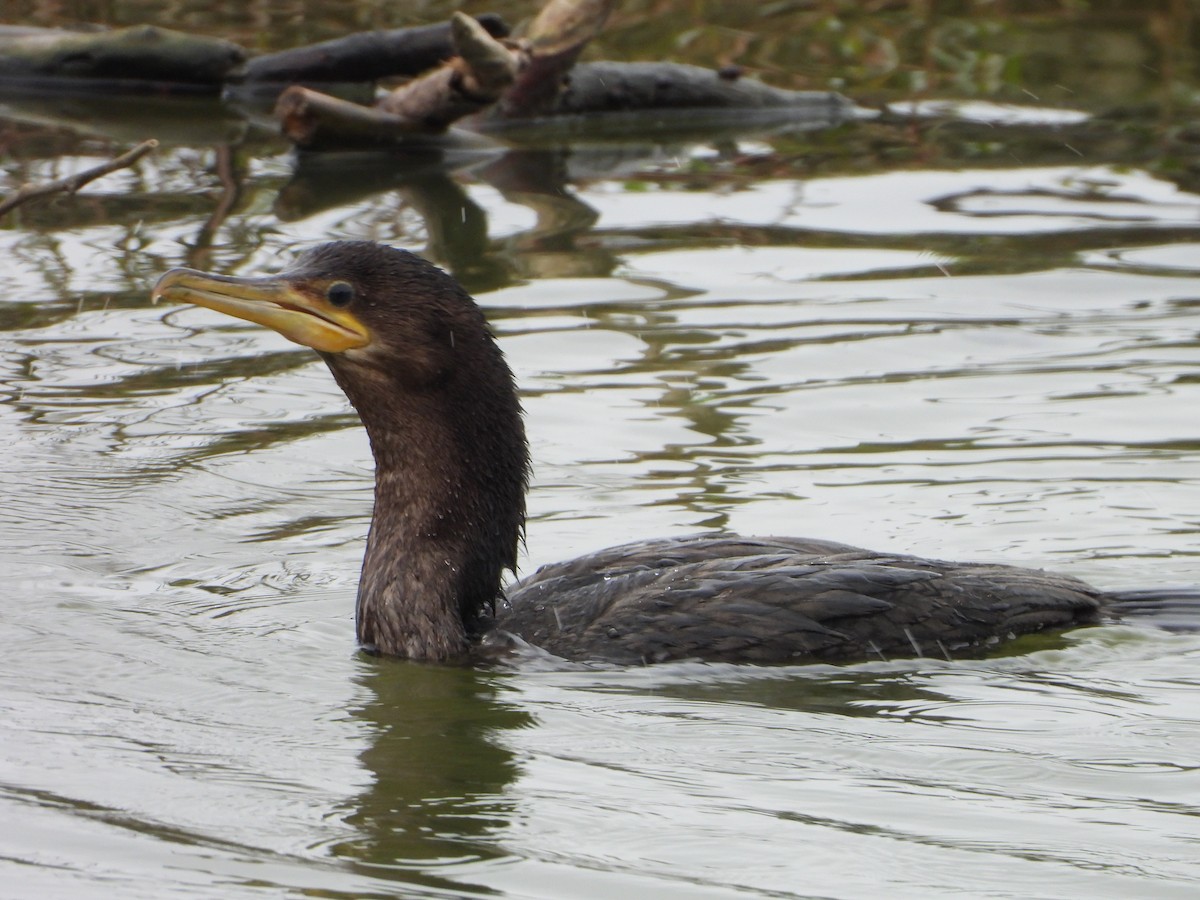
(991, 359)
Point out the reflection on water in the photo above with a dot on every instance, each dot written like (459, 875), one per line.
(439, 778)
(972, 337)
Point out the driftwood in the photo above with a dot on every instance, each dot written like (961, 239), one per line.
(552, 45)
(142, 54)
(474, 79)
(629, 87)
(308, 116)
(503, 87)
(483, 72)
(477, 79)
(156, 57)
(72, 183)
(366, 56)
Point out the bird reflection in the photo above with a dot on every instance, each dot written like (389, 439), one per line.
(439, 795)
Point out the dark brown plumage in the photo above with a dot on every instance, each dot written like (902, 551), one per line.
(415, 356)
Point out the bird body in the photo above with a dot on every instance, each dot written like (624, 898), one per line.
(781, 600)
(415, 357)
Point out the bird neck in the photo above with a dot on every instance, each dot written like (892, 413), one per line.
(414, 599)
(450, 476)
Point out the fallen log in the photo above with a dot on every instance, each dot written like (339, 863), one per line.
(622, 100)
(601, 87)
(600, 98)
(366, 56)
(141, 54)
(534, 84)
(425, 107)
(147, 58)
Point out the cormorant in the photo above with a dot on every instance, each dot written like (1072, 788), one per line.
(416, 358)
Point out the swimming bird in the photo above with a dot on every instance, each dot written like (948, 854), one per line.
(417, 360)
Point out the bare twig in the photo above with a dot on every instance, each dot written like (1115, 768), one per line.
(72, 183)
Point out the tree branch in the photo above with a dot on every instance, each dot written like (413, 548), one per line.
(72, 183)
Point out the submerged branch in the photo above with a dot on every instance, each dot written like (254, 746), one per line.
(72, 183)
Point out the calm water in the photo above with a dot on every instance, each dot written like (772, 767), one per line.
(901, 336)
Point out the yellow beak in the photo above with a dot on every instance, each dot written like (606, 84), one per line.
(297, 310)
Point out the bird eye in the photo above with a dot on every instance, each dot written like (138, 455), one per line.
(340, 293)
